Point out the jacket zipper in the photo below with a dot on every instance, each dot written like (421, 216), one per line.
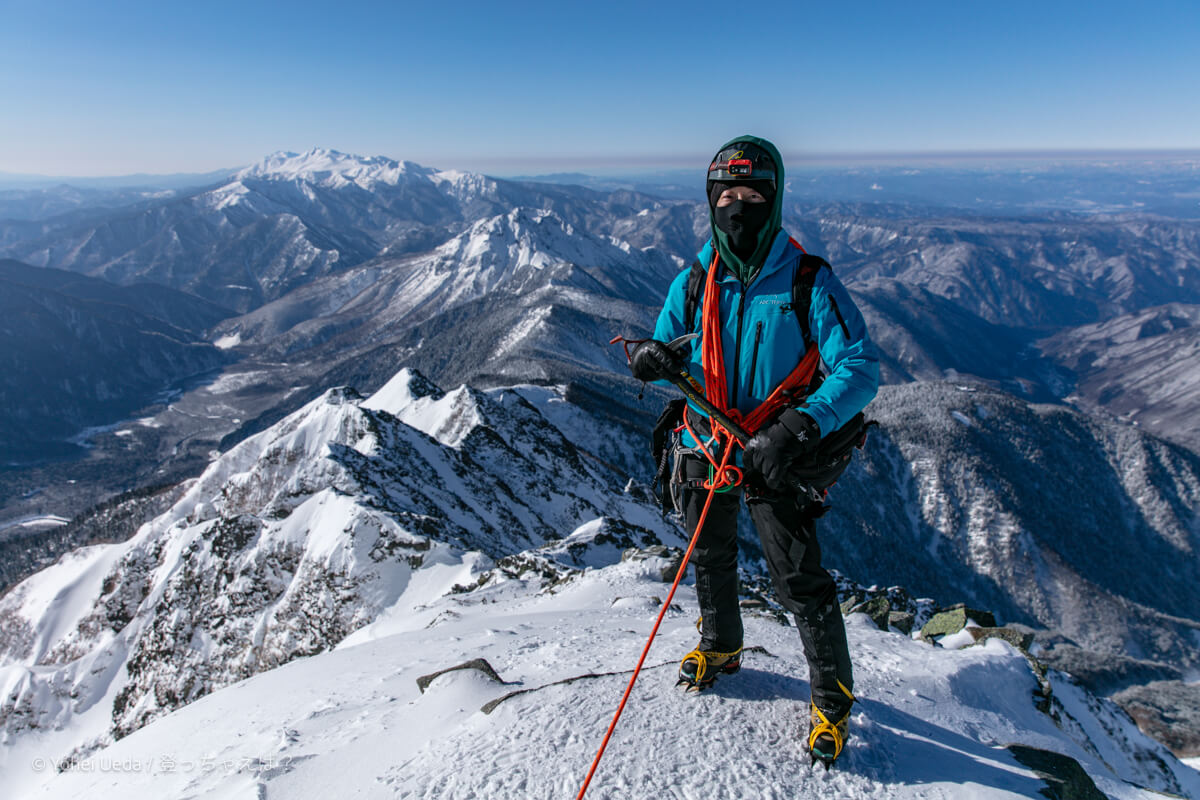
(737, 350)
(754, 358)
(833, 304)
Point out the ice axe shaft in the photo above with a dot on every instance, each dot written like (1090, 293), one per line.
(692, 389)
(685, 383)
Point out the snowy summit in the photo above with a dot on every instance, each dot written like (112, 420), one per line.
(332, 168)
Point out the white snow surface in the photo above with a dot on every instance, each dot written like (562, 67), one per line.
(930, 723)
(35, 521)
(334, 169)
(447, 418)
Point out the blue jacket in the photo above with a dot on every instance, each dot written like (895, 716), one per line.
(763, 341)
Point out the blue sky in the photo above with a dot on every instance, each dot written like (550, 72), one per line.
(95, 88)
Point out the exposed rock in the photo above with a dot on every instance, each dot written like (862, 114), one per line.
(1017, 638)
(673, 556)
(1065, 778)
(478, 664)
(877, 608)
(636, 600)
(1169, 711)
(954, 619)
(882, 605)
(901, 621)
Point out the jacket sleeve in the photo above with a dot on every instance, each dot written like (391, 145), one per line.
(847, 350)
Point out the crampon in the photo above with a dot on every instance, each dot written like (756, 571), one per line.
(700, 668)
(826, 738)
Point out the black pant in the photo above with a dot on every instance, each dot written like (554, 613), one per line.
(802, 585)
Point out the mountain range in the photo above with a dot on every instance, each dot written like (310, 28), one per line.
(307, 222)
(1036, 361)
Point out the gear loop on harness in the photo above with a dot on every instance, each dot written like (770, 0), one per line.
(722, 477)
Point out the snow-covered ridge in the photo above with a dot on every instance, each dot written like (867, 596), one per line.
(517, 253)
(288, 543)
(520, 238)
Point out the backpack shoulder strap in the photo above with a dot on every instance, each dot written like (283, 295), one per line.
(802, 285)
(691, 297)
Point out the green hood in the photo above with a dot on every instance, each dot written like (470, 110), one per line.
(747, 269)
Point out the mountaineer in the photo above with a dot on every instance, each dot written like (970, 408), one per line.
(759, 304)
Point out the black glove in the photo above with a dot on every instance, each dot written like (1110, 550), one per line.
(776, 447)
(652, 360)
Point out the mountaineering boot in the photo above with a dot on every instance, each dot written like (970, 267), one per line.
(827, 732)
(700, 668)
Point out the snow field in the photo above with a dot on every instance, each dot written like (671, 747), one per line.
(930, 723)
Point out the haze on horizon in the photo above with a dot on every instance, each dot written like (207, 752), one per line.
(138, 87)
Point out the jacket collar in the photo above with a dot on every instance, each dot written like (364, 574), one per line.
(777, 258)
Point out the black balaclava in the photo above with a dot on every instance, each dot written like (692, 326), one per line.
(741, 220)
(744, 232)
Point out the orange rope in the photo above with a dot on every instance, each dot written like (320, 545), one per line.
(662, 612)
(711, 356)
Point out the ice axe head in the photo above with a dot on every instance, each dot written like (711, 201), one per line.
(679, 344)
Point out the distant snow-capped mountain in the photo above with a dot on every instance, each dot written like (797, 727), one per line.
(330, 167)
(1140, 366)
(285, 221)
(956, 295)
(1027, 303)
(522, 297)
(511, 255)
(1028, 272)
